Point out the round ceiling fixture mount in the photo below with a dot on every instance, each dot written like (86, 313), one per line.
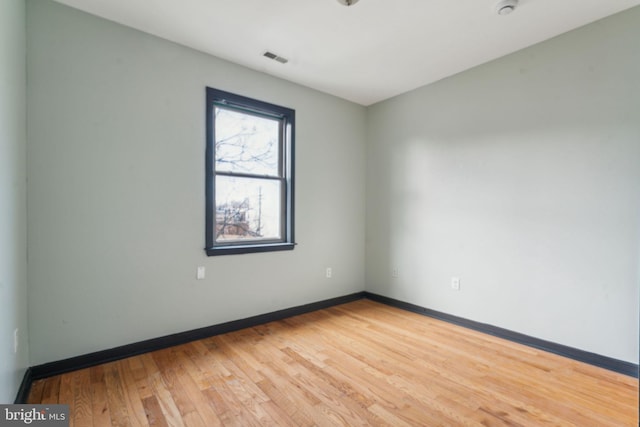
(348, 2)
(505, 7)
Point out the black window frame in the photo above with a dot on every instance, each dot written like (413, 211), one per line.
(286, 116)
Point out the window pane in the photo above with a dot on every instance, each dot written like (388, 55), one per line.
(247, 209)
(246, 143)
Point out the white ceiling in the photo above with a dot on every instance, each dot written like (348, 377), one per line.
(365, 53)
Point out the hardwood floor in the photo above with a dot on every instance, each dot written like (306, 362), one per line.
(361, 363)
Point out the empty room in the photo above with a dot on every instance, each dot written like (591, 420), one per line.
(319, 212)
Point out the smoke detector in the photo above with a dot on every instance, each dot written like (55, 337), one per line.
(348, 2)
(505, 7)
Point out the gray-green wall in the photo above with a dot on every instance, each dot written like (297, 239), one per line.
(521, 177)
(13, 202)
(116, 190)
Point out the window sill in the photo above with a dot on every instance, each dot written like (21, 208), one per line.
(247, 249)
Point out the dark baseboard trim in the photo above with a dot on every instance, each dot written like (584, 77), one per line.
(609, 363)
(25, 387)
(117, 353)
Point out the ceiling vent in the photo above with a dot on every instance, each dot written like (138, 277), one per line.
(275, 57)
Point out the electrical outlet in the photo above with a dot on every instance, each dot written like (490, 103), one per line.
(455, 283)
(200, 273)
(395, 273)
(329, 273)
(15, 341)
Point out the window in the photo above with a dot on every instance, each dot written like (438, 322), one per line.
(249, 181)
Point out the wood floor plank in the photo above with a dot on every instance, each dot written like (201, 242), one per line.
(65, 394)
(361, 363)
(246, 375)
(82, 407)
(99, 400)
(35, 394)
(51, 391)
(196, 396)
(234, 411)
(154, 412)
(277, 416)
(115, 396)
(135, 408)
(165, 400)
(300, 411)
